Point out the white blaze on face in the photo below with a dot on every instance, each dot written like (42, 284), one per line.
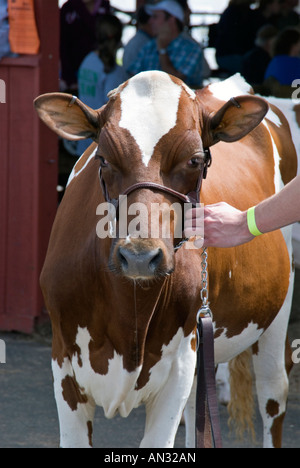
(149, 105)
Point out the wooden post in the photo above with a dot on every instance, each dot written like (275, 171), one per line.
(28, 176)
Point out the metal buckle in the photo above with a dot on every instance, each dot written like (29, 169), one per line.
(204, 312)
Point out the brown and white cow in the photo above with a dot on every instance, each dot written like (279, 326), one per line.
(123, 310)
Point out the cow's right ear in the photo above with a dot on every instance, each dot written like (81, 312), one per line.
(67, 116)
(235, 119)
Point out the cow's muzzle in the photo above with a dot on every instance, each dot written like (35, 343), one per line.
(140, 265)
(137, 261)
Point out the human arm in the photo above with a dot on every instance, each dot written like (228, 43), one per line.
(281, 209)
(163, 40)
(167, 66)
(184, 59)
(180, 56)
(225, 226)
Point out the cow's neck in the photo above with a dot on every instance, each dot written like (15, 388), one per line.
(135, 308)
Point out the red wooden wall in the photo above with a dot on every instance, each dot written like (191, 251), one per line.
(28, 176)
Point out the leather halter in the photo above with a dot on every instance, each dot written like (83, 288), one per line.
(191, 197)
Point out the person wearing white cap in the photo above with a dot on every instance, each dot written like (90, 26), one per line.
(170, 51)
(169, 6)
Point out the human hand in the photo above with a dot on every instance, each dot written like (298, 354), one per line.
(165, 36)
(224, 226)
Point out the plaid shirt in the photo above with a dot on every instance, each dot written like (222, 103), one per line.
(185, 54)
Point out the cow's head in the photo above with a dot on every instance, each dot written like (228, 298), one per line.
(153, 129)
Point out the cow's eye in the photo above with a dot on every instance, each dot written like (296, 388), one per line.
(194, 163)
(103, 161)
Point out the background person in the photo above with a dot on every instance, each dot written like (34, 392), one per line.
(235, 34)
(269, 9)
(285, 65)
(287, 16)
(99, 73)
(170, 51)
(137, 42)
(4, 30)
(255, 62)
(77, 37)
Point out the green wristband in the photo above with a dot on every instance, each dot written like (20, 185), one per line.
(252, 223)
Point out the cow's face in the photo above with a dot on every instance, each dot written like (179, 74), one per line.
(154, 129)
(152, 134)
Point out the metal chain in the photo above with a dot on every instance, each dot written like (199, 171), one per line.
(204, 275)
(204, 311)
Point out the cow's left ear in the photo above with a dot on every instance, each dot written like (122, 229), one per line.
(238, 117)
(67, 116)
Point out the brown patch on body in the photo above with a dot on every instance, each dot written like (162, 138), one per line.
(71, 393)
(90, 432)
(276, 431)
(297, 113)
(255, 349)
(272, 408)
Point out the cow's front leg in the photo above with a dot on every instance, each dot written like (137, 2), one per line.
(164, 410)
(75, 410)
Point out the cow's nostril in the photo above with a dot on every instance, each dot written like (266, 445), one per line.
(156, 261)
(122, 260)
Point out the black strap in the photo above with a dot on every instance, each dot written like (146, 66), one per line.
(208, 430)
